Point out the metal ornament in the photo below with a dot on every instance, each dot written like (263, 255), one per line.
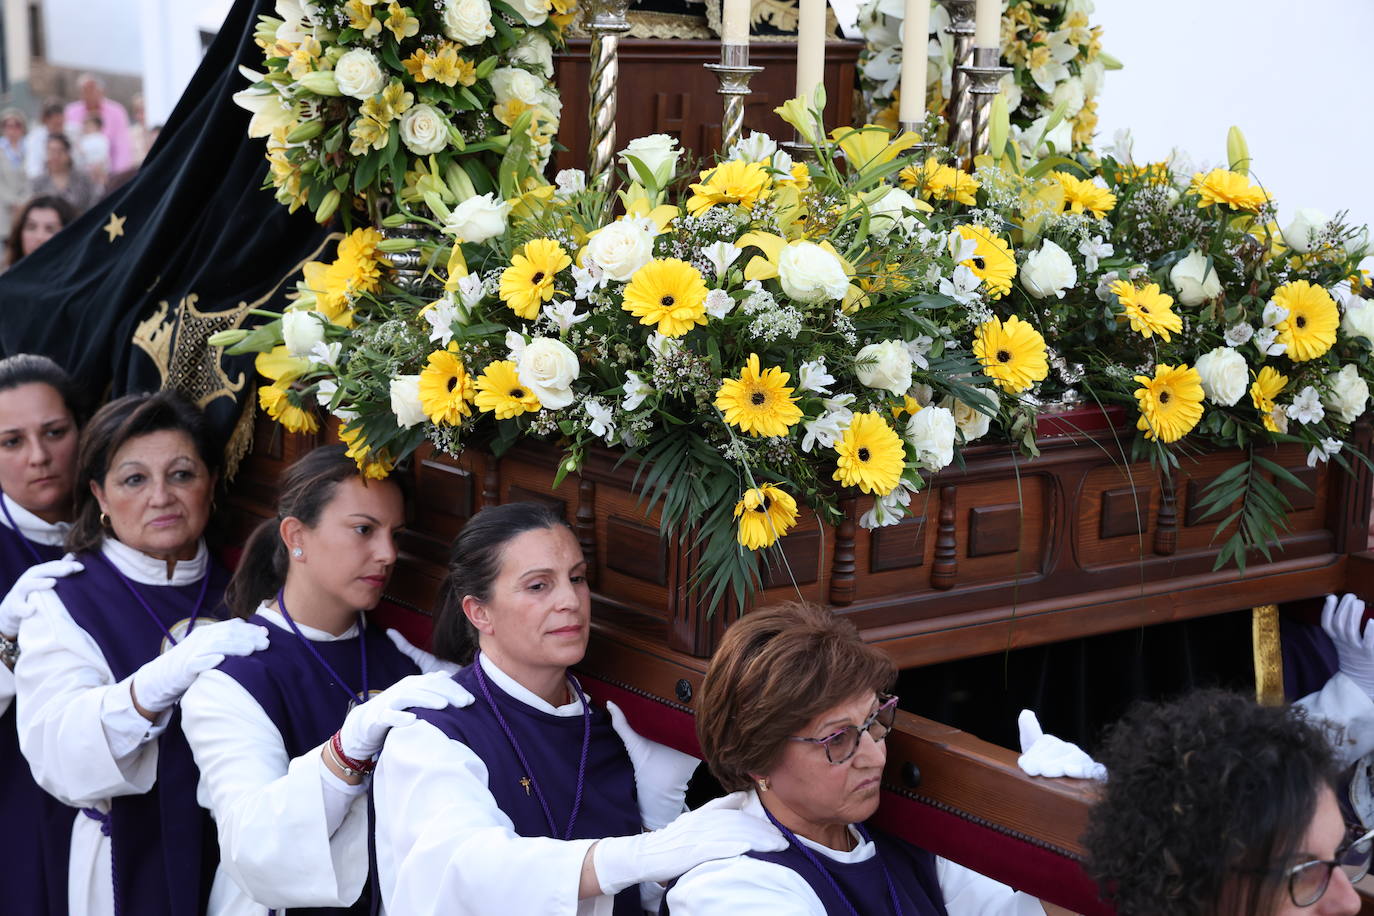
(961, 28)
(606, 21)
(734, 74)
(984, 79)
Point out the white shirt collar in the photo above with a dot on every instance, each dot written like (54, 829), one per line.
(32, 527)
(147, 570)
(863, 849)
(311, 633)
(512, 687)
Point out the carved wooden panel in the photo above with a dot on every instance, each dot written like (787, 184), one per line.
(516, 493)
(1124, 511)
(1300, 499)
(899, 546)
(629, 551)
(994, 530)
(800, 561)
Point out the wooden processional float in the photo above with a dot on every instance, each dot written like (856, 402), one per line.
(1001, 554)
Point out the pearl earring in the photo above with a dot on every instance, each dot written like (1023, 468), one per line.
(297, 553)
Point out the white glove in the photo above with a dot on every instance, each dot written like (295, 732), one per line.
(661, 773)
(162, 681)
(695, 837)
(1046, 755)
(365, 728)
(16, 608)
(423, 660)
(1343, 621)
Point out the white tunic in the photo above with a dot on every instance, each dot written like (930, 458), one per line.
(78, 728)
(748, 885)
(32, 528)
(443, 845)
(291, 833)
(1345, 705)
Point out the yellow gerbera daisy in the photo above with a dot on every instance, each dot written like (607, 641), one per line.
(992, 262)
(357, 263)
(1084, 196)
(734, 182)
(528, 283)
(446, 389)
(373, 464)
(759, 403)
(940, 182)
(1263, 391)
(1012, 353)
(1310, 328)
(871, 455)
(500, 391)
(1149, 310)
(277, 402)
(765, 514)
(1170, 402)
(1222, 186)
(668, 293)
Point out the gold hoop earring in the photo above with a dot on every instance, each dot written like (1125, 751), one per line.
(104, 520)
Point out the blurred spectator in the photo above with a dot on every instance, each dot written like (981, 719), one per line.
(62, 179)
(140, 138)
(114, 119)
(13, 182)
(36, 143)
(38, 220)
(94, 150)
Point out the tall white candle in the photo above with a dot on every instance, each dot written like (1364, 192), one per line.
(734, 26)
(915, 37)
(810, 47)
(987, 24)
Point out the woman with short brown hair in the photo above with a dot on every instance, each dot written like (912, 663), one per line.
(793, 717)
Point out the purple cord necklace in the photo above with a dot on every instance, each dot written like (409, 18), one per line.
(362, 651)
(33, 551)
(835, 885)
(519, 752)
(129, 584)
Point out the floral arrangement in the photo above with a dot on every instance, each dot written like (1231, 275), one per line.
(1055, 53)
(401, 105)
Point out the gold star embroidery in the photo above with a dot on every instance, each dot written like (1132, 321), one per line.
(115, 227)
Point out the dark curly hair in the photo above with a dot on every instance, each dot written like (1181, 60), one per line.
(1208, 797)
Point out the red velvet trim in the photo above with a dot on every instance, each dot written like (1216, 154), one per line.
(1022, 865)
(413, 625)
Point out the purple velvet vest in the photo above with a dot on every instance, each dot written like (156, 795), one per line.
(162, 842)
(35, 856)
(303, 701)
(862, 883)
(552, 744)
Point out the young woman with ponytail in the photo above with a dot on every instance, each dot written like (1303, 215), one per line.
(284, 738)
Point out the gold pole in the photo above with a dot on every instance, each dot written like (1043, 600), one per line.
(1268, 655)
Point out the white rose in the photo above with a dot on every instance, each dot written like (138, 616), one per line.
(810, 273)
(548, 368)
(973, 423)
(534, 49)
(424, 130)
(468, 21)
(1048, 272)
(894, 209)
(931, 432)
(885, 365)
(1307, 222)
(405, 400)
(478, 219)
(1194, 281)
(359, 74)
(1359, 320)
(301, 330)
(621, 248)
(658, 153)
(513, 83)
(1348, 395)
(1225, 376)
(534, 12)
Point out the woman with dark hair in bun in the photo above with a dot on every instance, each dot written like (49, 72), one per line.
(108, 652)
(284, 738)
(40, 417)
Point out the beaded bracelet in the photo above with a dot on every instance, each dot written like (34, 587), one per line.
(346, 763)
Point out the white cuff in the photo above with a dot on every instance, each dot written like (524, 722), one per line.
(338, 795)
(126, 730)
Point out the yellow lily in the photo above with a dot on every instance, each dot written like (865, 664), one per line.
(280, 366)
(871, 146)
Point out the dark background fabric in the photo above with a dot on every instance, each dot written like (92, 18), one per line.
(198, 223)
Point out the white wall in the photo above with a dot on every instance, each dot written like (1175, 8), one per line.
(1295, 77)
(172, 48)
(93, 34)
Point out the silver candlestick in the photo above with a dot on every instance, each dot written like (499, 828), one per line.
(984, 81)
(734, 74)
(606, 21)
(961, 28)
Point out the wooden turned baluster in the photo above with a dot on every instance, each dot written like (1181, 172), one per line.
(945, 569)
(1166, 525)
(491, 482)
(842, 582)
(586, 526)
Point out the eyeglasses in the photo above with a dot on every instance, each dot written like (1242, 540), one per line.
(842, 745)
(1308, 881)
